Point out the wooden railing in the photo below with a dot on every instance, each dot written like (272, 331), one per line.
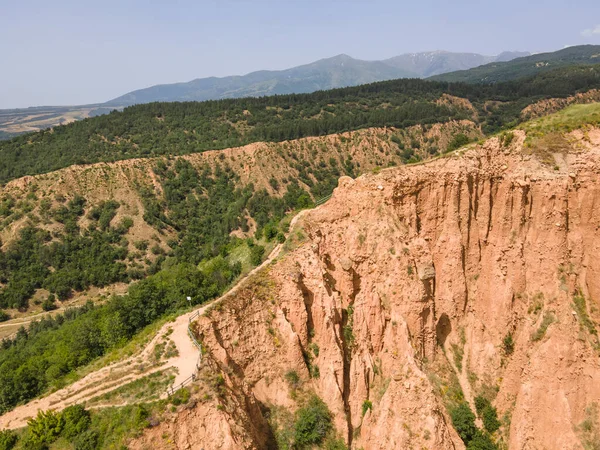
(191, 332)
(172, 389)
(322, 200)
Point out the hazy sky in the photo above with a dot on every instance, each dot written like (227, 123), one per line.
(75, 52)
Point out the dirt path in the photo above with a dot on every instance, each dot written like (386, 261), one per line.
(135, 367)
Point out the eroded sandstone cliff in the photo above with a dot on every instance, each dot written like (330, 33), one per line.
(477, 274)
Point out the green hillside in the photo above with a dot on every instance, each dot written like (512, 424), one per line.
(497, 72)
(183, 128)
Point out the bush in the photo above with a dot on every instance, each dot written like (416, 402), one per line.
(4, 316)
(366, 406)
(458, 141)
(88, 440)
(140, 416)
(490, 419)
(463, 420)
(44, 429)
(256, 254)
(292, 378)
(509, 344)
(333, 443)
(488, 414)
(76, 421)
(49, 304)
(313, 422)
(8, 439)
(481, 442)
(181, 397)
(547, 320)
(480, 404)
(270, 231)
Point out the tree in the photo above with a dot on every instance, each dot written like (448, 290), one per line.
(313, 422)
(45, 428)
(481, 441)
(76, 421)
(488, 414)
(256, 254)
(463, 420)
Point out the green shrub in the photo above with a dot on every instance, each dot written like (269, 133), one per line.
(313, 423)
(314, 371)
(8, 439)
(481, 441)
(547, 320)
(458, 141)
(4, 316)
(292, 378)
(480, 403)
(490, 419)
(256, 254)
(49, 304)
(270, 231)
(140, 416)
(508, 344)
(45, 428)
(88, 440)
(366, 406)
(463, 420)
(581, 309)
(507, 138)
(488, 414)
(180, 397)
(334, 443)
(141, 245)
(76, 420)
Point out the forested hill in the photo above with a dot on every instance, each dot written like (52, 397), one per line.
(526, 66)
(183, 128)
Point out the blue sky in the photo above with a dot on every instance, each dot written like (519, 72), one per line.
(75, 52)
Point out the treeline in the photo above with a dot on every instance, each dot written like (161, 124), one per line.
(181, 128)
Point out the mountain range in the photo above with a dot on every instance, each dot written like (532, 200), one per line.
(336, 72)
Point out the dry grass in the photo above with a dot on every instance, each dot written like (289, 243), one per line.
(546, 135)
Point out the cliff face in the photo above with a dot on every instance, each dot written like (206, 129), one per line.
(410, 285)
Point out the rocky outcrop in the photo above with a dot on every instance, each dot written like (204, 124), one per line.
(552, 105)
(401, 271)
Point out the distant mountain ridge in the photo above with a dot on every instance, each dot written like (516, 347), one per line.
(330, 73)
(336, 72)
(514, 68)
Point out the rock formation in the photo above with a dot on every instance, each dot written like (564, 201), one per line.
(476, 274)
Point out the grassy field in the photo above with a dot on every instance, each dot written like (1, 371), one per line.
(566, 120)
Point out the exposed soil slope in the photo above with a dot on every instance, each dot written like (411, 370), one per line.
(404, 292)
(270, 166)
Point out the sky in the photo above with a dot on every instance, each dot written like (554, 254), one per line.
(68, 52)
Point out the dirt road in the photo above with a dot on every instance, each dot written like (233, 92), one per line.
(118, 374)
